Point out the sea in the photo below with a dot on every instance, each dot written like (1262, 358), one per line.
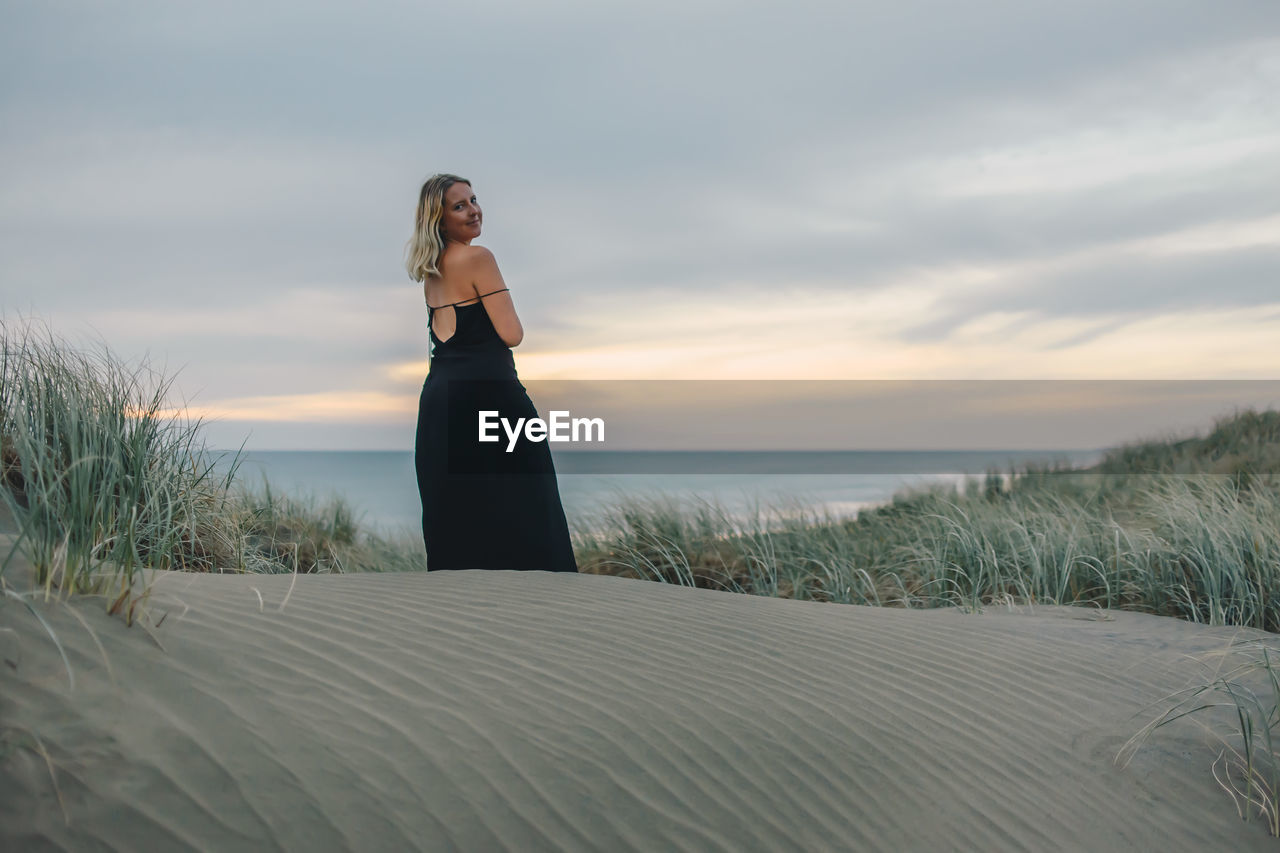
(381, 486)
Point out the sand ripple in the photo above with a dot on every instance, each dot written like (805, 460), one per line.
(542, 711)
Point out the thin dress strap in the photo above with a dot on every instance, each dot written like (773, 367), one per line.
(454, 305)
(468, 299)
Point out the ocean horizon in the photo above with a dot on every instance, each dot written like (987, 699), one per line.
(381, 486)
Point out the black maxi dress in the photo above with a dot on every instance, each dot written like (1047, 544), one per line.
(483, 507)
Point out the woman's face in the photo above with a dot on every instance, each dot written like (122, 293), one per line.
(461, 218)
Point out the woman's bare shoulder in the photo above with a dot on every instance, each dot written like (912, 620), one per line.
(475, 254)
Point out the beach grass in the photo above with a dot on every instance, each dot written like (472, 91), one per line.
(105, 483)
(102, 482)
(1189, 529)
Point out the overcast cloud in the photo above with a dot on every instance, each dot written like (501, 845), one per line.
(911, 190)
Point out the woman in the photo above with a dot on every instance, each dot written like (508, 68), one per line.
(482, 506)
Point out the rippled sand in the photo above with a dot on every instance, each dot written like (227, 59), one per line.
(539, 711)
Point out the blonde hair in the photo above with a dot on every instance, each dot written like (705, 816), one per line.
(425, 247)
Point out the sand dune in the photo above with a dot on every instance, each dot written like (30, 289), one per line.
(538, 711)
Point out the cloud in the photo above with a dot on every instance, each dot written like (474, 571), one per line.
(738, 188)
(345, 406)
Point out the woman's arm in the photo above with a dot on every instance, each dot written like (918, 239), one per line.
(482, 268)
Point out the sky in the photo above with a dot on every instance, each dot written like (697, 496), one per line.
(772, 192)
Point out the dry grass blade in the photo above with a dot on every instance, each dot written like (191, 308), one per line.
(106, 661)
(1250, 772)
(66, 662)
(39, 749)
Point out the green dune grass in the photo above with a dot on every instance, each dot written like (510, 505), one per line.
(103, 483)
(1188, 529)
